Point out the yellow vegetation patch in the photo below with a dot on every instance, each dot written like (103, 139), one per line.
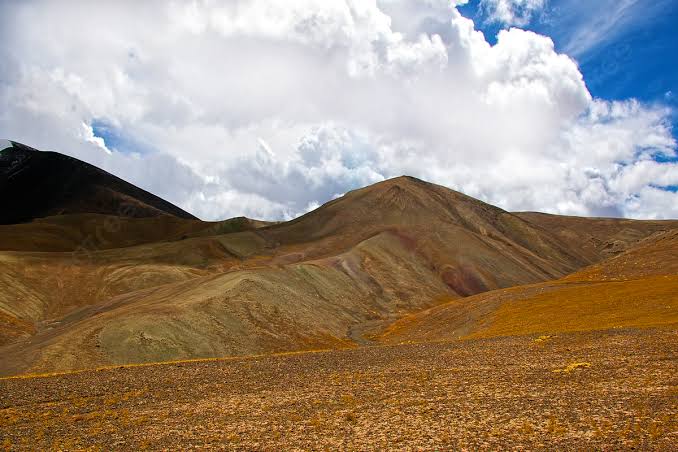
(410, 321)
(648, 302)
(573, 366)
(12, 327)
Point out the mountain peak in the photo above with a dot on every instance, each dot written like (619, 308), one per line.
(399, 202)
(39, 184)
(401, 181)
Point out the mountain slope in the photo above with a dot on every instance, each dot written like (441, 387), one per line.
(35, 184)
(597, 238)
(90, 232)
(637, 288)
(473, 245)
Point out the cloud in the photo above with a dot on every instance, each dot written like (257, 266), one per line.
(588, 28)
(266, 110)
(610, 19)
(511, 12)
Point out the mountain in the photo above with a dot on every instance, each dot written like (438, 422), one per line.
(472, 245)
(596, 238)
(637, 288)
(36, 184)
(85, 289)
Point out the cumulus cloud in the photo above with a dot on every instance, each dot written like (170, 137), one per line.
(511, 12)
(268, 109)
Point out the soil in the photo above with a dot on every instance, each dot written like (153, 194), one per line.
(606, 390)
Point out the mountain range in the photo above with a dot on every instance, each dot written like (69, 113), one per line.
(96, 271)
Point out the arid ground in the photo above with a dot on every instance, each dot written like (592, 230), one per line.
(609, 390)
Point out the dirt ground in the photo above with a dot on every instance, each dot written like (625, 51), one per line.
(609, 390)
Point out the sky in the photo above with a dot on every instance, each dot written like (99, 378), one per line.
(269, 109)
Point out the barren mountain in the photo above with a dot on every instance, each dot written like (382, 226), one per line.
(165, 287)
(36, 184)
(596, 237)
(83, 233)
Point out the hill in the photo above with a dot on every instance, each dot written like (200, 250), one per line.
(597, 237)
(84, 233)
(167, 289)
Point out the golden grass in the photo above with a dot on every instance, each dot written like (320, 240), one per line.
(648, 302)
(572, 367)
(409, 321)
(12, 327)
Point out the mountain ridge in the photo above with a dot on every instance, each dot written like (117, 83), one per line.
(165, 287)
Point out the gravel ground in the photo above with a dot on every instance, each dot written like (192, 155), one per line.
(603, 390)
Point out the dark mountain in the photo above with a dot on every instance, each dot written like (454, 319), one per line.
(36, 184)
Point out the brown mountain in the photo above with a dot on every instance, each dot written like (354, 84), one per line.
(166, 287)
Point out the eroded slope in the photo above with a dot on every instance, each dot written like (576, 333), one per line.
(638, 288)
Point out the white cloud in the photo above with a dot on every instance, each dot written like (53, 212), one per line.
(511, 12)
(586, 29)
(267, 109)
(611, 17)
(89, 136)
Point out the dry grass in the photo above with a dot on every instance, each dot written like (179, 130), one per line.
(157, 363)
(543, 338)
(476, 394)
(572, 367)
(640, 303)
(544, 310)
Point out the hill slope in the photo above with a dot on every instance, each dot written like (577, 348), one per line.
(472, 245)
(89, 232)
(597, 238)
(637, 288)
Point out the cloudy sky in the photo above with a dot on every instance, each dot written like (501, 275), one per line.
(270, 108)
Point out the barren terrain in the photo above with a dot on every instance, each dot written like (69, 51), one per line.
(604, 390)
(167, 288)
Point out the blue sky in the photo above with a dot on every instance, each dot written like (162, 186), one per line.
(116, 139)
(113, 137)
(624, 48)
